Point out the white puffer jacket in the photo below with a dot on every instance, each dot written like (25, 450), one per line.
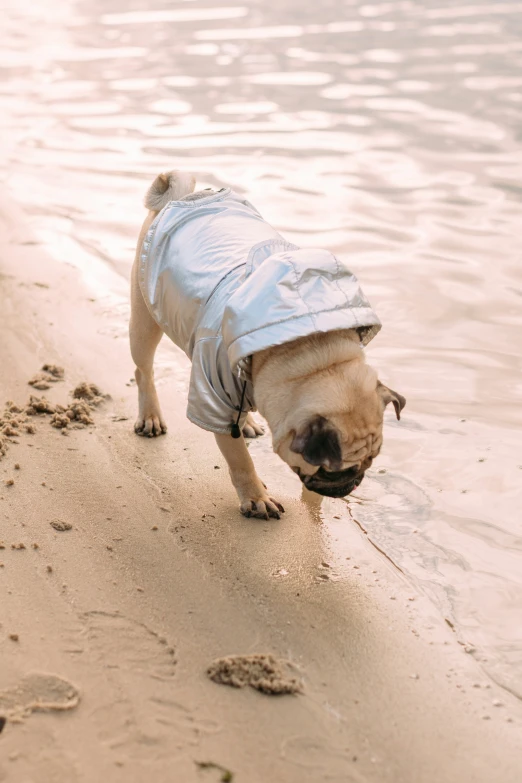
(223, 284)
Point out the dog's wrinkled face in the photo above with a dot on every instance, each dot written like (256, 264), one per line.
(331, 454)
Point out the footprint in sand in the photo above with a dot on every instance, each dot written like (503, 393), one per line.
(128, 645)
(133, 695)
(37, 692)
(321, 760)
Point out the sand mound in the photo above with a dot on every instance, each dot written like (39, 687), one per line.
(262, 672)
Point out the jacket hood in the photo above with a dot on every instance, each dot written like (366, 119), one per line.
(292, 294)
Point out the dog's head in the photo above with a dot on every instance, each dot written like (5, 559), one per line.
(331, 450)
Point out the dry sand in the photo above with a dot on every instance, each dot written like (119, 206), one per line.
(107, 631)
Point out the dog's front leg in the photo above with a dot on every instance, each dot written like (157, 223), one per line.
(253, 497)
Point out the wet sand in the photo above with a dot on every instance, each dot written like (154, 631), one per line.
(110, 626)
(388, 133)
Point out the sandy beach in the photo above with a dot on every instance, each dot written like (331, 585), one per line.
(383, 630)
(107, 628)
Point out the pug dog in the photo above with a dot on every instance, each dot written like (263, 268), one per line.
(267, 326)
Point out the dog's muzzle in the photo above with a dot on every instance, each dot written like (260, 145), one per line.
(336, 484)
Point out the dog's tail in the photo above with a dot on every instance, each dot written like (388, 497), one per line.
(169, 187)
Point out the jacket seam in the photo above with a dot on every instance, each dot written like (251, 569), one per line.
(307, 306)
(343, 293)
(297, 317)
(201, 201)
(270, 243)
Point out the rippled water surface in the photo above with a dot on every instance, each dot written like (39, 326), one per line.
(388, 132)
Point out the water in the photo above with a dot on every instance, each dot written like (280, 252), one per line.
(388, 132)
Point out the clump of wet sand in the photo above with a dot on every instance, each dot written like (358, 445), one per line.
(89, 392)
(78, 412)
(86, 396)
(262, 672)
(50, 373)
(39, 406)
(41, 381)
(15, 420)
(55, 370)
(60, 525)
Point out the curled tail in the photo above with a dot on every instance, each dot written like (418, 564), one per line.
(169, 187)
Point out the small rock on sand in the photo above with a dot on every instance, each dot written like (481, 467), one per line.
(60, 525)
(262, 672)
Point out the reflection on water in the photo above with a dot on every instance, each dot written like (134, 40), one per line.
(388, 132)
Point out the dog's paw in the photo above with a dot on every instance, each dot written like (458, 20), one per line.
(251, 428)
(262, 507)
(150, 426)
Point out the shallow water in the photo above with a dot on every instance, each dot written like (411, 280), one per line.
(388, 132)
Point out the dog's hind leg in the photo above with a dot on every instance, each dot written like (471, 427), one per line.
(144, 332)
(145, 335)
(251, 428)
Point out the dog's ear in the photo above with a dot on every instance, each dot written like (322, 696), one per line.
(388, 395)
(318, 443)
